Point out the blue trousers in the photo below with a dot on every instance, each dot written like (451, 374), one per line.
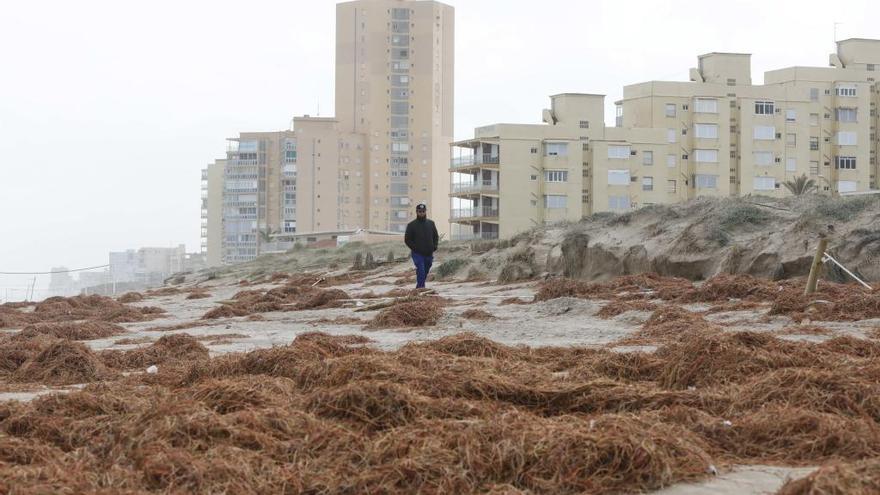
(423, 266)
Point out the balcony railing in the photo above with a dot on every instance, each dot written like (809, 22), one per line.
(478, 212)
(479, 186)
(472, 160)
(487, 236)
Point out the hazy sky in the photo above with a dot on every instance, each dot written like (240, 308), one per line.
(109, 109)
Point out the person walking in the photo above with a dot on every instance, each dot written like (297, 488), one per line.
(421, 238)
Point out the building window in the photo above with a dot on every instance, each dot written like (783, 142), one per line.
(814, 143)
(670, 160)
(845, 90)
(814, 94)
(791, 140)
(706, 181)
(814, 119)
(706, 131)
(706, 156)
(618, 178)
(556, 176)
(647, 183)
(764, 184)
(647, 158)
(670, 109)
(534, 151)
(553, 201)
(764, 108)
(533, 177)
(671, 135)
(671, 186)
(584, 124)
(844, 114)
(765, 132)
(847, 186)
(618, 152)
(845, 162)
(555, 149)
(814, 168)
(791, 164)
(618, 202)
(706, 105)
(763, 158)
(847, 138)
(791, 115)
(871, 67)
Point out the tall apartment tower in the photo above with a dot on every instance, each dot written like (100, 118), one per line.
(394, 87)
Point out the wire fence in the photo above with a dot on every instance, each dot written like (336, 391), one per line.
(17, 286)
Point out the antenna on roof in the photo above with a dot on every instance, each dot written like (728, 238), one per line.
(319, 107)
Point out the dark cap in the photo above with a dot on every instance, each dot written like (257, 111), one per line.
(421, 207)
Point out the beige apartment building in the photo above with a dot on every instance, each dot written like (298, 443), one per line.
(386, 149)
(715, 135)
(395, 87)
(212, 212)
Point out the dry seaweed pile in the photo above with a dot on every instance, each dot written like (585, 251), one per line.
(413, 311)
(459, 415)
(78, 330)
(198, 294)
(62, 362)
(94, 307)
(130, 297)
(832, 302)
(174, 349)
(477, 314)
(855, 478)
(296, 295)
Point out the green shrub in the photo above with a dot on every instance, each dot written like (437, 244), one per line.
(450, 267)
(739, 215)
(843, 209)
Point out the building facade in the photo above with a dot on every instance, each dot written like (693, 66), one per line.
(386, 150)
(212, 212)
(395, 87)
(715, 135)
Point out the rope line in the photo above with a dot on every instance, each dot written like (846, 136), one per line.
(59, 271)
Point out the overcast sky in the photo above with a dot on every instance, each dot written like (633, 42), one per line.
(109, 109)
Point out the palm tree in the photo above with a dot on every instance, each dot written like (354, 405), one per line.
(266, 235)
(800, 185)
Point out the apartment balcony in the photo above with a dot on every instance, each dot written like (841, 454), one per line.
(475, 161)
(477, 213)
(478, 187)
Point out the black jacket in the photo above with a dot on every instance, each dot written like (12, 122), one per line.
(421, 237)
